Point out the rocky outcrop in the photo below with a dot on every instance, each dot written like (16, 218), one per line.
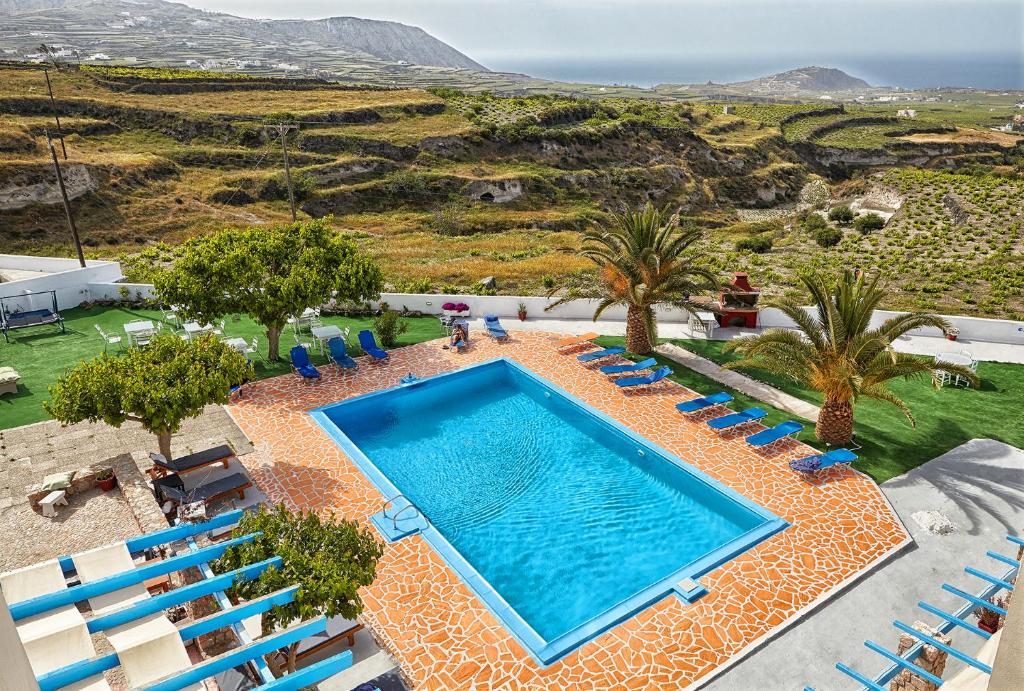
(497, 191)
(38, 185)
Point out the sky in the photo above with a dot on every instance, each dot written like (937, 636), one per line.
(713, 36)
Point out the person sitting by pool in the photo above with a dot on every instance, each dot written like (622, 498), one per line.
(460, 336)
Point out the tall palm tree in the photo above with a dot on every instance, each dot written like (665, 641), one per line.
(645, 259)
(835, 352)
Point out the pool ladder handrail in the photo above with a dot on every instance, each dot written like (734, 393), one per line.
(410, 505)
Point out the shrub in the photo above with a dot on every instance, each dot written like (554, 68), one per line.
(759, 244)
(828, 236)
(449, 219)
(868, 223)
(814, 223)
(388, 328)
(841, 215)
(548, 281)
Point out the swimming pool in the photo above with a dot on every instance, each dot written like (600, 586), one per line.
(560, 519)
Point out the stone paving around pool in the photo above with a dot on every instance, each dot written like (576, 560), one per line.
(441, 633)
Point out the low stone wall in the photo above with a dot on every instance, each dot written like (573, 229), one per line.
(132, 483)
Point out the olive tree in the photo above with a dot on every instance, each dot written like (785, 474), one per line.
(159, 386)
(329, 559)
(268, 273)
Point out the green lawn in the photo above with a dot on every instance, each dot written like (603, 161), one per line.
(946, 417)
(41, 354)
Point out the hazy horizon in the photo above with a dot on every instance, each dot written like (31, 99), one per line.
(914, 43)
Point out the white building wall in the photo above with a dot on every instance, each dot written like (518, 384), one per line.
(65, 276)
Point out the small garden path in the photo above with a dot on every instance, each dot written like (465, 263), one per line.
(740, 382)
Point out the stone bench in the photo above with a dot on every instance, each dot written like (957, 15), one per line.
(49, 503)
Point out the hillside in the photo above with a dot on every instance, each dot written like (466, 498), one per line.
(447, 187)
(802, 81)
(174, 32)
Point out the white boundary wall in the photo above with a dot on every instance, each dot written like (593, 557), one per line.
(971, 328)
(100, 281)
(65, 276)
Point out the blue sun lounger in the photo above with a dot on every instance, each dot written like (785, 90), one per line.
(789, 428)
(698, 404)
(337, 348)
(302, 366)
(736, 419)
(494, 327)
(369, 344)
(810, 464)
(631, 367)
(652, 378)
(598, 354)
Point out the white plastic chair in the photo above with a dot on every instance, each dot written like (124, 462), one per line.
(305, 344)
(108, 339)
(252, 348)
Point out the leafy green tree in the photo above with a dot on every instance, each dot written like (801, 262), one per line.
(644, 259)
(813, 222)
(835, 352)
(758, 244)
(268, 273)
(828, 236)
(328, 559)
(160, 386)
(842, 215)
(388, 327)
(868, 223)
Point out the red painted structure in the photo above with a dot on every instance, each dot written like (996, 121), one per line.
(737, 304)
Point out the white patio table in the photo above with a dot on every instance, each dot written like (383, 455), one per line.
(141, 329)
(961, 359)
(193, 329)
(238, 344)
(322, 334)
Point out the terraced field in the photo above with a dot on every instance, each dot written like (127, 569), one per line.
(445, 188)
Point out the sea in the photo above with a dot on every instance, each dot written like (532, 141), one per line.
(1001, 72)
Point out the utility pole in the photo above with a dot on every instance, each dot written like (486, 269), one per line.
(67, 204)
(283, 131)
(56, 115)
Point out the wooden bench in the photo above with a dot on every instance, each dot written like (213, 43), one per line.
(49, 502)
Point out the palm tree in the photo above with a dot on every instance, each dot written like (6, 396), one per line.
(645, 259)
(835, 352)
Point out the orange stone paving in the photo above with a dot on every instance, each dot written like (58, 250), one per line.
(443, 636)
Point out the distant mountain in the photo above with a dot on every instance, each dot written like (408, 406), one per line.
(151, 29)
(803, 80)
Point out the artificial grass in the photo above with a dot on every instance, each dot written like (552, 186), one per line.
(42, 354)
(946, 417)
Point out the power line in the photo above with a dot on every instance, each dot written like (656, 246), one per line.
(283, 131)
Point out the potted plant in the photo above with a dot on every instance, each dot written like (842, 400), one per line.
(987, 619)
(952, 332)
(522, 311)
(106, 480)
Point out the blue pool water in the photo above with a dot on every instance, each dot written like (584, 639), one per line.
(560, 519)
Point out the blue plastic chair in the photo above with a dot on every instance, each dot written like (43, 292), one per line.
(631, 367)
(811, 464)
(652, 378)
(598, 354)
(302, 366)
(369, 345)
(735, 419)
(697, 404)
(336, 346)
(789, 428)
(494, 327)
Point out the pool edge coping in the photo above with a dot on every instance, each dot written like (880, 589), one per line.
(542, 651)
